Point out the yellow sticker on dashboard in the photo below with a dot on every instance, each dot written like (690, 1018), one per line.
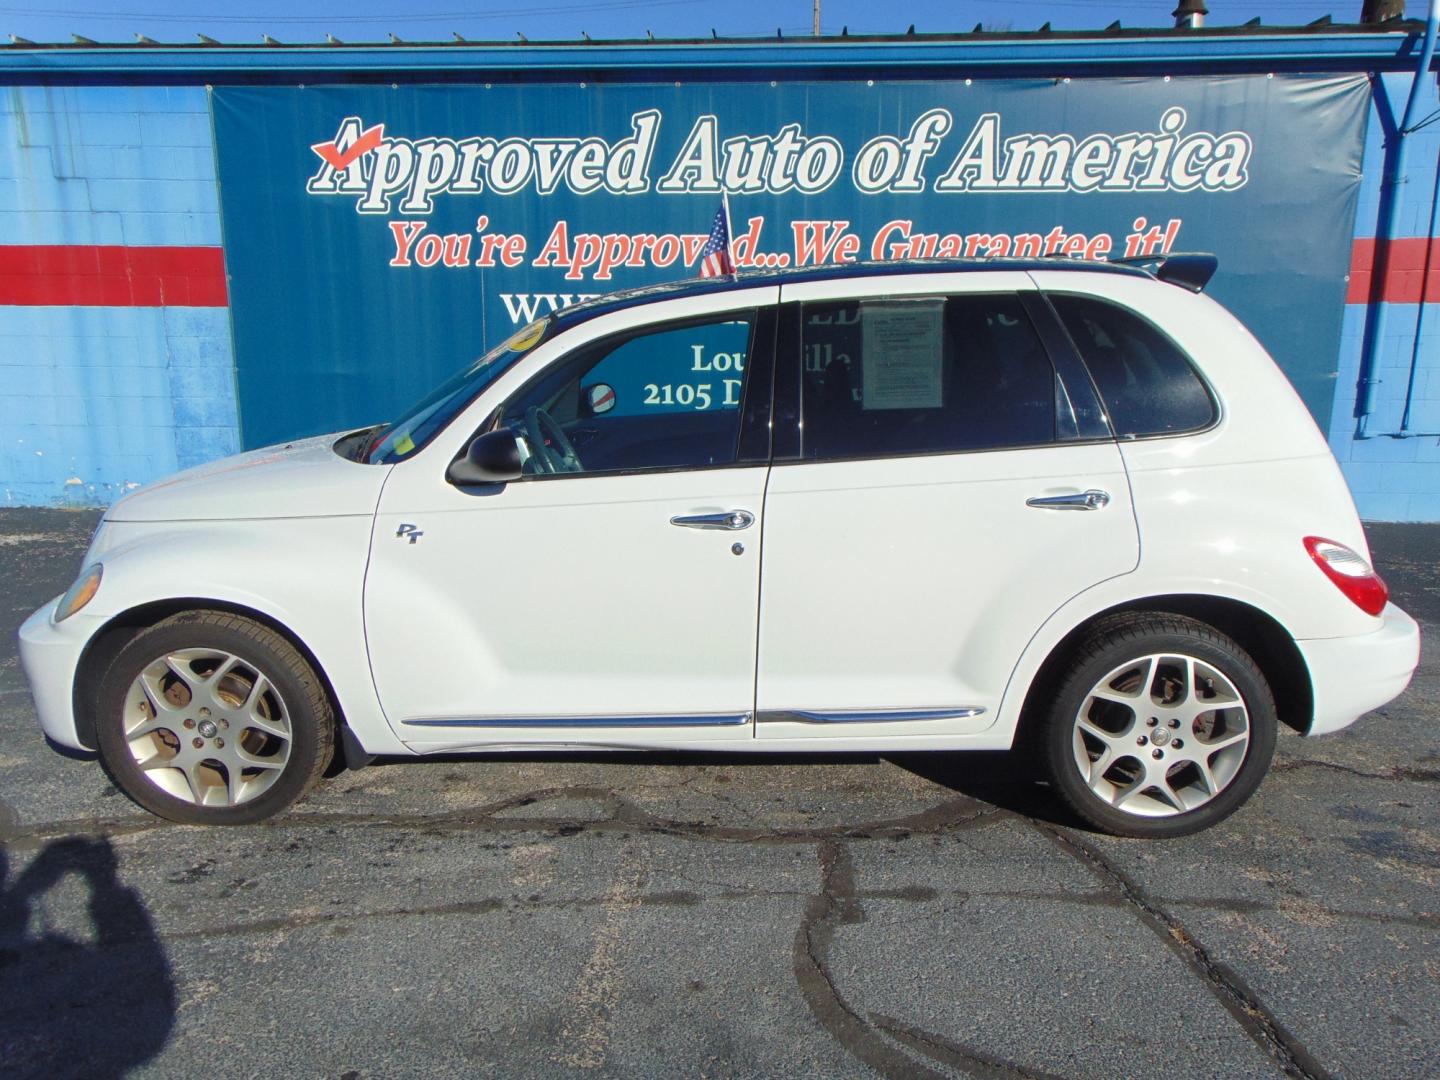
(404, 444)
(526, 336)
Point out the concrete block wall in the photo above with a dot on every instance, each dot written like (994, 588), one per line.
(116, 363)
(1395, 479)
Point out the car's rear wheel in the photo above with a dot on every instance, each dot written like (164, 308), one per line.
(212, 718)
(1161, 726)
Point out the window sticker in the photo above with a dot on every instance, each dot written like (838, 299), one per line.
(527, 336)
(902, 353)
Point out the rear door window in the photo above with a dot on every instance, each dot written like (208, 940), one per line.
(1147, 383)
(895, 376)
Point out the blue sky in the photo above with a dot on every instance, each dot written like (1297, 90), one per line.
(421, 20)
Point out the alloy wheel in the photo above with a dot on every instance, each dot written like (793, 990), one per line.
(1161, 735)
(207, 726)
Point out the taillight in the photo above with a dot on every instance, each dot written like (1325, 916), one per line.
(1351, 574)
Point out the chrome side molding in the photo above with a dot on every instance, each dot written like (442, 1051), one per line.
(687, 720)
(771, 716)
(864, 716)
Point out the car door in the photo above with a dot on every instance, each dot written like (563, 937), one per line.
(609, 595)
(944, 482)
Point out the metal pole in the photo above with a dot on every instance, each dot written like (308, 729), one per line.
(816, 21)
(1420, 309)
(1427, 52)
(1390, 209)
(729, 234)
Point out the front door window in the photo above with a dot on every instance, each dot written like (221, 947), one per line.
(663, 397)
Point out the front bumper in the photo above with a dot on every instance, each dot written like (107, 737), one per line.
(50, 655)
(1351, 676)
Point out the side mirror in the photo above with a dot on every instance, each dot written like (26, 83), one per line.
(493, 458)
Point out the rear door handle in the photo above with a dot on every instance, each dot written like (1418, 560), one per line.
(730, 520)
(1094, 499)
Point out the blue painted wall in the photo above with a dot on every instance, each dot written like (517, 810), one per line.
(97, 400)
(1394, 479)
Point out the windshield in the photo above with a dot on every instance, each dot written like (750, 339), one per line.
(423, 421)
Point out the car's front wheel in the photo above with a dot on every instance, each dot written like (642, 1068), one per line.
(1161, 726)
(212, 718)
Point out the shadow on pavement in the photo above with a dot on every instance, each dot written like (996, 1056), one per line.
(95, 1003)
(1000, 777)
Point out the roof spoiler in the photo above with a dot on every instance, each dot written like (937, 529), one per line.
(1189, 270)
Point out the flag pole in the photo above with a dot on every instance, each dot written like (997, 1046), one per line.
(729, 234)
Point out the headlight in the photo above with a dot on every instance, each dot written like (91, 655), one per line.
(81, 593)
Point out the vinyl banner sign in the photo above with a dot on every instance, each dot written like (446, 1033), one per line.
(377, 237)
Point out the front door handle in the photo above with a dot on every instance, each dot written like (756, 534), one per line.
(730, 520)
(1094, 499)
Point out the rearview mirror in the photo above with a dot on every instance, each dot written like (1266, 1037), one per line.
(493, 458)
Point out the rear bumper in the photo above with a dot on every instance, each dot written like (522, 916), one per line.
(50, 655)
(1353, 675)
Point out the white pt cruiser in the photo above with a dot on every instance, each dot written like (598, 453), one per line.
(1068, 507)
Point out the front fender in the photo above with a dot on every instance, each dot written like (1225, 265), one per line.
(305, 574)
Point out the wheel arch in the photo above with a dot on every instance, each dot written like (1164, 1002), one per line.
(105, 644)
(1269, 644)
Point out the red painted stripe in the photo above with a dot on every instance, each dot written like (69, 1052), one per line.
(1412, 272)
(112, 276)
(117, 276)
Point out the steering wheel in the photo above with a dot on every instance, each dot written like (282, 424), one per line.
(549, 444)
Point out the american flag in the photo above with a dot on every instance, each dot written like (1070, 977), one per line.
(715, 256)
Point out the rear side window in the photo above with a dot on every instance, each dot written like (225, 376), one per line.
(1148, 385)
(896, 376)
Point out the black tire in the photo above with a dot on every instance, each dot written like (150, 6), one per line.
(311, 721)
(1114, 642)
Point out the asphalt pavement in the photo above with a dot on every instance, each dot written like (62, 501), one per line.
(670, 915)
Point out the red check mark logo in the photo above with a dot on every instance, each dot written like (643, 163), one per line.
(339, 159)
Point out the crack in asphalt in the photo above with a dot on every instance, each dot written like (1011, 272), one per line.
(682, 898)
(1395, 772)
(836, 905)
(623, 816)
(879, 1041)
(968, 1059)
(1419, 920)
(1224, 983)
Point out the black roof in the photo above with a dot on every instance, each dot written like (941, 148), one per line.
(698, 286)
